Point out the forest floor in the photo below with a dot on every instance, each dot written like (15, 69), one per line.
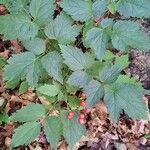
(101, 133)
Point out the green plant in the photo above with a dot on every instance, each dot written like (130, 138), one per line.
(56, 68)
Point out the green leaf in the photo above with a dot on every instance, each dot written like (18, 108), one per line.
(134, 8)
(109, 73)
(23, 88)
(15, 6)
(87, 26)
(112, 7)
(36, 46)
(42, 10)
(98, 41)
(24, 64)
(75, 59)
(107, 22)
(2, 62)
(112, 105)
(31, 112)
(4, 118)
(25, 134)
(147, 136)
(23, 27)
(127, 34)
(100, 7)
(94, 69)
(109, 55)
(52, 62)
(63, 31)
(79, 79)
(73, 102)
(78, 9)
(53, 130)
(94, 92)
(72, 130)
(129, 80)
(132, 103)
(122, 61)
(49, 90)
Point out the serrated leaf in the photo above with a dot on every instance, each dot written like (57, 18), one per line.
(53, 130)
(23, 88)
(72, 130)
(78, 9)
(73, 102)
(75, 59)
(134, 8)
(36, 46)
(25, 134)
(109, 73)
(52, 62)
(109, 55)
(42, 10)
(62, 31)
(79, 79)
(2, 62)
(15, 6)
(127, 34)
(94, 92)
(4, 118)
(132, 103)
(87, 26)
(31, 112)
(112, 105)
(98, 41)
(122, 61)
(24, 64)
(129, 80)
(107, 22)
(147, 136)
(23, 27)
(94, 69)
(100, 7)
(112, 7)
(49, 90)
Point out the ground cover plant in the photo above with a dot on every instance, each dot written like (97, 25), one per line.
(75, 53)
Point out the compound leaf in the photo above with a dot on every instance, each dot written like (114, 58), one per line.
(110, 73)
(42, 10)
(48, 90)
(31, 112)
(127, 34)
(36, 46)
(79, 79)
(122, 61)
(18, 26)
(94, 92)
(72, 130)
(62, 31)
(52, 62)
(78, 9)
(98, 41)
(75, 59)
(134, 8)
(25, 134)
(100, 7)
(15, 6)
(53, 130)
(24, 64)
(23, 88)
(132, 103)
(2, 62)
